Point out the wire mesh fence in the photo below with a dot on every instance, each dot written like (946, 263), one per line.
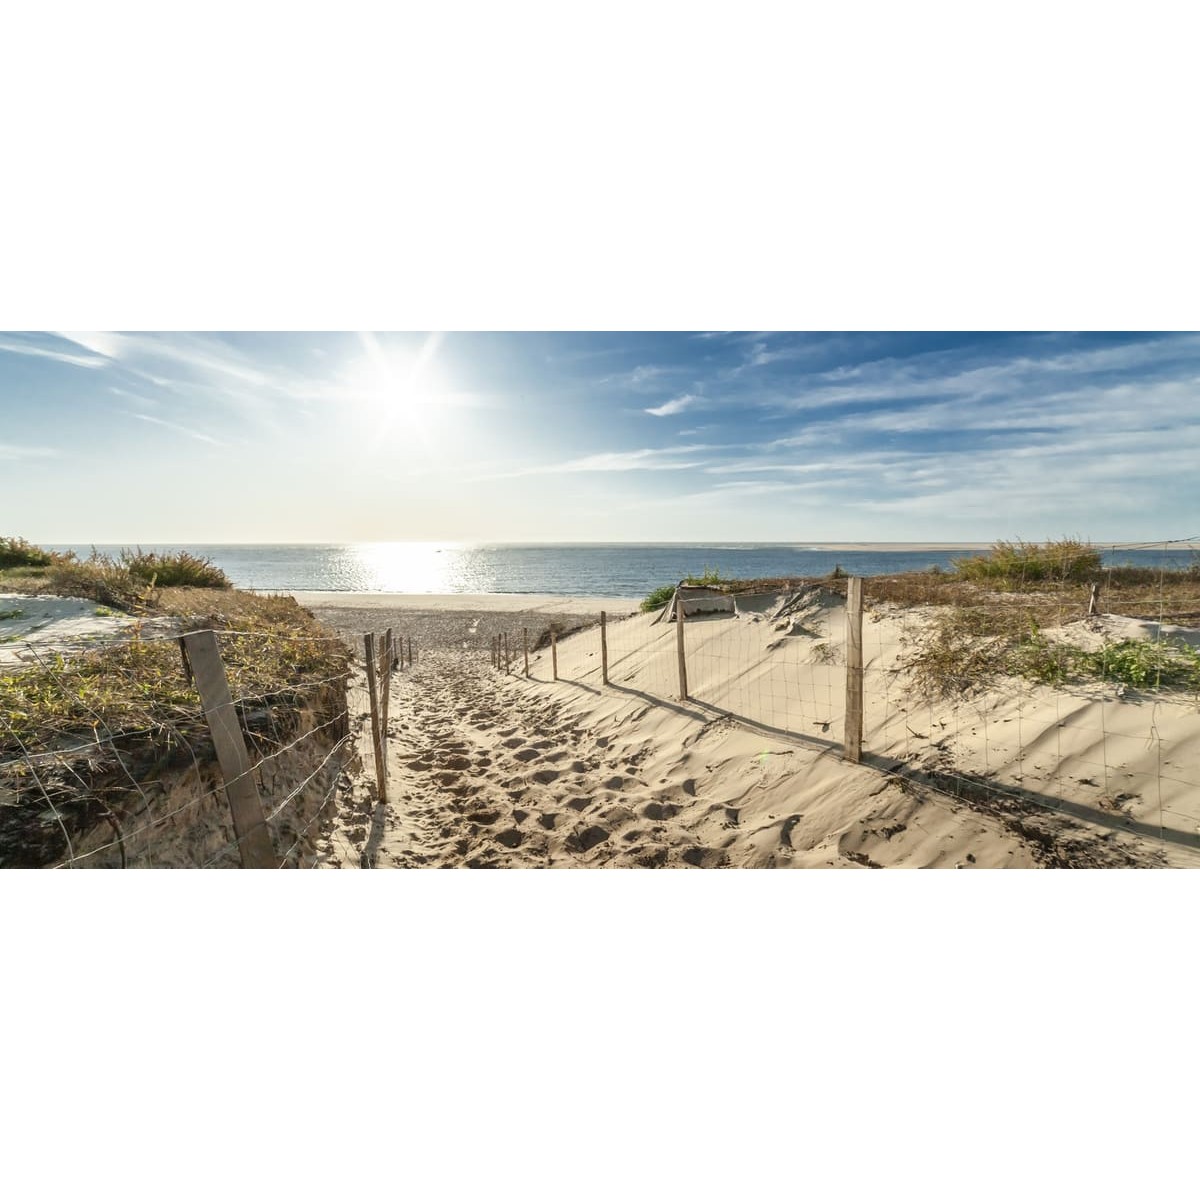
(109, 756)
(1051, 675)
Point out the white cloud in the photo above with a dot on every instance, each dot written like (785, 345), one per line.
(106, 344)
(619, 460)
(673, 406)
(192, 433)
(63, 356)
(11, 453)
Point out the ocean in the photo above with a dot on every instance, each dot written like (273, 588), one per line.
(627, 570)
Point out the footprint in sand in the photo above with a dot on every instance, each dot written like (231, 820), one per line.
(544, 776)
(660, 812)
(512, 742)
(526, 755)
(511, 838)
(585, 839)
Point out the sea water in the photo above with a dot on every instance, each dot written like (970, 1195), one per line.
(627, 570)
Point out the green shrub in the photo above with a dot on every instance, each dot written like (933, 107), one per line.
(659, 598)
(180, 569)
(98, 579)
(1014, 563)
(1168, 662)
(17, 552)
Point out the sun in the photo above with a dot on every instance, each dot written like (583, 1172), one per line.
(392, 387)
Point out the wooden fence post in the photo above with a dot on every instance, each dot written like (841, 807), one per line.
(208, 671)
(683, 688)
(1094, 600)
(554, 652)
(376, 743)
(385, 692)
(410, 657)
(854, 670)
(525, 647)
(504, 638)
(603, 647)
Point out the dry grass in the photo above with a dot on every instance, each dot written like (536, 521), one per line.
(128, 583)
(140, 686)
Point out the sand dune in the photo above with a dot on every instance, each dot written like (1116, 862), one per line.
(489, 769)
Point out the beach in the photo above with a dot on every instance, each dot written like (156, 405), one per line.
(492, 768)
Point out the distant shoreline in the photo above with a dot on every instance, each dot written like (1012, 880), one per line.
(465, 602)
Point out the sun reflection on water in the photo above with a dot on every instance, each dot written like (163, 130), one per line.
(431, 567)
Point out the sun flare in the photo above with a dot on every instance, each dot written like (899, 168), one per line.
(391, 386)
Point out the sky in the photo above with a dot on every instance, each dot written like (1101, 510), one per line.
(513, 437)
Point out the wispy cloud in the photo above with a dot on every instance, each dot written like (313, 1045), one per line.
(35, 350)
(192, 433)
(12, 453)
(669, 459)
(678, 405)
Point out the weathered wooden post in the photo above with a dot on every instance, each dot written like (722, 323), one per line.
(1094, 600)
(208, 671)
(683, 688)
(554, 652)
(854, 670)
(603, 647)
(385, 691)
(376, 742)
(504, 635)
(525, 647)
(410, 656)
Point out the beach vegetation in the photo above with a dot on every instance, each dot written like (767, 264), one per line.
(1164, 662)
(659, 598)
(17, 552)
(180, 569)
(138, 687)
(967, 650)
(709, 577)
(126, 583)
(1009, 564)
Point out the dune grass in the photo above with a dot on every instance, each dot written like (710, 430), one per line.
(1013, 564)
(127, 583)
(709, 577)
(17, 552)
(140, 685)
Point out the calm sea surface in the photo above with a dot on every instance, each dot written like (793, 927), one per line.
(627, 570)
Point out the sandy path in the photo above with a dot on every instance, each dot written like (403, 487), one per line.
(487, 774)
(495, 770)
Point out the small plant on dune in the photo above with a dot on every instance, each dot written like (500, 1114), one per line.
(1011, 564)
(711, 577)
(661, 596)
(180, 569)
(1041, 660)
(1167, 662)
(98, 579)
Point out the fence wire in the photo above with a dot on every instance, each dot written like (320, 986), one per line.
(1058, 678)
(106, 759)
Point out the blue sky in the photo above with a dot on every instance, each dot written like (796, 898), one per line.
(187, 437)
